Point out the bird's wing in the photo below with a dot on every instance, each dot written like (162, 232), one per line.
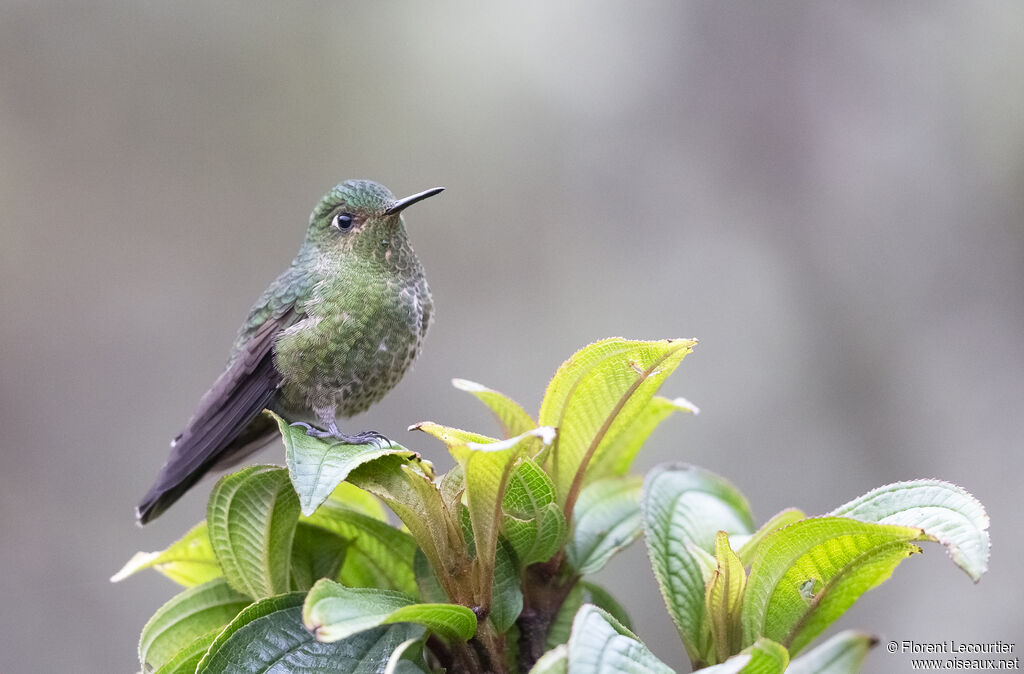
(225, 412)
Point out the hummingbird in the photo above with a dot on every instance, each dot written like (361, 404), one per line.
(329, 337)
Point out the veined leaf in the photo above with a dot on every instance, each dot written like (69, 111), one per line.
(416, 500)
(724, 598)
(600, 645)
(188, 616)
(513, 418)
(842, 654)
(782, 519)
(507, 595)
(450, 436)
(269, 636)
(347, 495)
(583, 593)
(806, 575)
(377, 554)
(555, 661)
(533, 522)
(333, 612)
(187, 659)
(487, 468)
(189, 561)
(684, 508)
(607, 518)
(762, 657)
(946, 513)
(317, 466)
(251, 517)
(597, 393)
(316, 553)
(616, 455)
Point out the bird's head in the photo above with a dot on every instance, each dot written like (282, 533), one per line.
(359, 215)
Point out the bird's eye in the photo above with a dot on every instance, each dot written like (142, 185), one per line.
(343, 221)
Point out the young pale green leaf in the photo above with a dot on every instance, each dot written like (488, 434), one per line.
(723, 599)
(450, 436)
(606, 519)
(377, 554)
(513, 418)
(251, 517)
(684, 508)
(333, 612)
(946, 513)
(844, 653)
(806, 575)
(347, 495)
(555, 661)
(418, 503)
(188, 616)
(782, 519)
(189, 561)
(583, 593)
(487, 468)
(537, 539)
(596, 394)
(616, 455)
(762, 657)
(507, 596)
(533, 523)
(317, 466)
(316, 553)
(600, 645)
(269, 636)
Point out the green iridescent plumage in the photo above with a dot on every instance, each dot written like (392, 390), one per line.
(328, 338)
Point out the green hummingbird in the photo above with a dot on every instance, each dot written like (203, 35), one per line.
(328, 338)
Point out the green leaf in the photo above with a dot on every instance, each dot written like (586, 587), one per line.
(583, 593)
(316, 553)
(617, 453)
(684, 508)
(600, 645)
(724, 599)
(946, 513)
(187, 659)
(429, 587)
(347, 495)
(408, 658)
(842, 654)
(251, 517)
(532, 522)
(606, 519)
(317, 466)
(487, 468)
(416, 500)
(782, 519)
(513, 418)
(555, 661)
(507, 599)
(269, 636)
(377, 554)
(806, 575)
(450, 436)
(333, 612)
(188, 616)
(763, 657)
(596, 394)
(189, 561)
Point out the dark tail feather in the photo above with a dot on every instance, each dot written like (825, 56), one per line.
(227, 423)
(169, 486)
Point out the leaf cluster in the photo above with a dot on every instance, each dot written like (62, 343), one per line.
(299, 568)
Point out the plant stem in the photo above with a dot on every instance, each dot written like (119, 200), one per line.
(545, 588)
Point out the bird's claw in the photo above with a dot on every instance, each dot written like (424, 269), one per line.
(363, 438)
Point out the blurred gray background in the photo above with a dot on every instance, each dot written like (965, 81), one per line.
(829, 197)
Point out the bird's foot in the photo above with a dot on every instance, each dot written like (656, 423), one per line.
(363, 438)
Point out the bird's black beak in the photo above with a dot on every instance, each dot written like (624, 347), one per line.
(403, 204)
